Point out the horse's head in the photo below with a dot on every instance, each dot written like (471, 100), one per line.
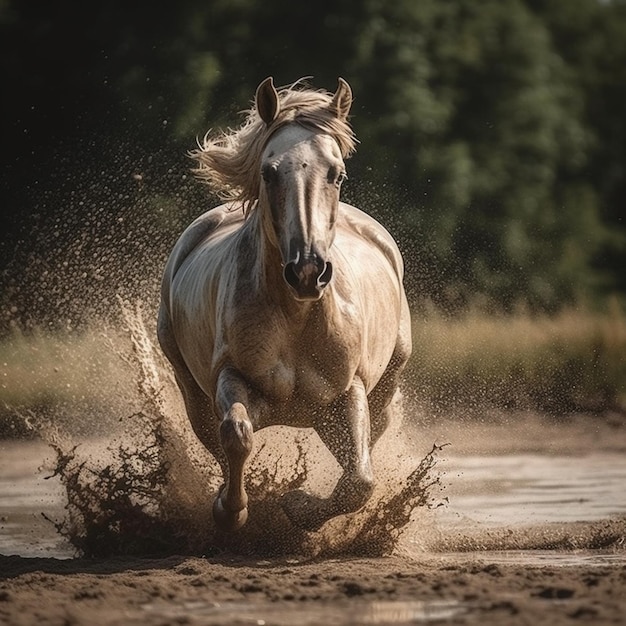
(302, 170)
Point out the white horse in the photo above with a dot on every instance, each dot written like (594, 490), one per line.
(285, 305)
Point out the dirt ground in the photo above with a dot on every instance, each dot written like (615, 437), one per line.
(226, 590)
(459, 588)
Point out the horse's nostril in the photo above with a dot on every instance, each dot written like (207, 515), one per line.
(291, 277)
(326, 275)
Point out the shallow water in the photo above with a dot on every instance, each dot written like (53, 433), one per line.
(504, 493)
(538, 558)
(26, 493)
(377, 612)
(526, 489)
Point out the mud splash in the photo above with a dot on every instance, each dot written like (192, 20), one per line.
(149, 489)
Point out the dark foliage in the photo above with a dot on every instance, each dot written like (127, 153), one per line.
(493, 142)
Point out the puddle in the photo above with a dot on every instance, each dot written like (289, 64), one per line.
(25, 494)
(506, 493)
(537, 558)
(279, 614)
(532, 489)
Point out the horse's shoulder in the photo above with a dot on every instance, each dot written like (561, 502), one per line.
(208, 223)
(199, 231)
(372, 232)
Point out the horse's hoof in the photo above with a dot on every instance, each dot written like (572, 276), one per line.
(228, 520)
(303, 509)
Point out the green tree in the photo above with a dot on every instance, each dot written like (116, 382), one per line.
(476, 119)
(590, 36)
(492, 136)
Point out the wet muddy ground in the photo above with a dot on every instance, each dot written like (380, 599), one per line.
(532, 529)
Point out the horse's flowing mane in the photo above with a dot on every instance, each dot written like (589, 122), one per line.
(229, 161)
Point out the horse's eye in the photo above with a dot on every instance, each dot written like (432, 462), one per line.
(336, 176)
(269, 172)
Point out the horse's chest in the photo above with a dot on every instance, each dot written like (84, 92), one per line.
(293, 365)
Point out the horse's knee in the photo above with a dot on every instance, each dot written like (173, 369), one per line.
(236, 433)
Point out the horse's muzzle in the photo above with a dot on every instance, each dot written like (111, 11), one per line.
(308, 277)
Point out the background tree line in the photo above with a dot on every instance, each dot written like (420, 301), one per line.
(493, 135)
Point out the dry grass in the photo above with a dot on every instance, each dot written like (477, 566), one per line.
(575, 360)
(42, 376)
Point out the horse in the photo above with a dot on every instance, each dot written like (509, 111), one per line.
(285, 305)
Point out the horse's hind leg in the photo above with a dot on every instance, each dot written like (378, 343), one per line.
(345, 429)
(380, 400)
(197, 404)
(381, 396)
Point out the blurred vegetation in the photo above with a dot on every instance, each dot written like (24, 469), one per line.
(569, 362)
(493, 142)
(79, 381)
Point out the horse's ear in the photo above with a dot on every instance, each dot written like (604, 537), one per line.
(267, 103)
(342, 100)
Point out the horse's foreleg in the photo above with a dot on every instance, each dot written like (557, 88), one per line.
(230, 509)
(345, 429)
